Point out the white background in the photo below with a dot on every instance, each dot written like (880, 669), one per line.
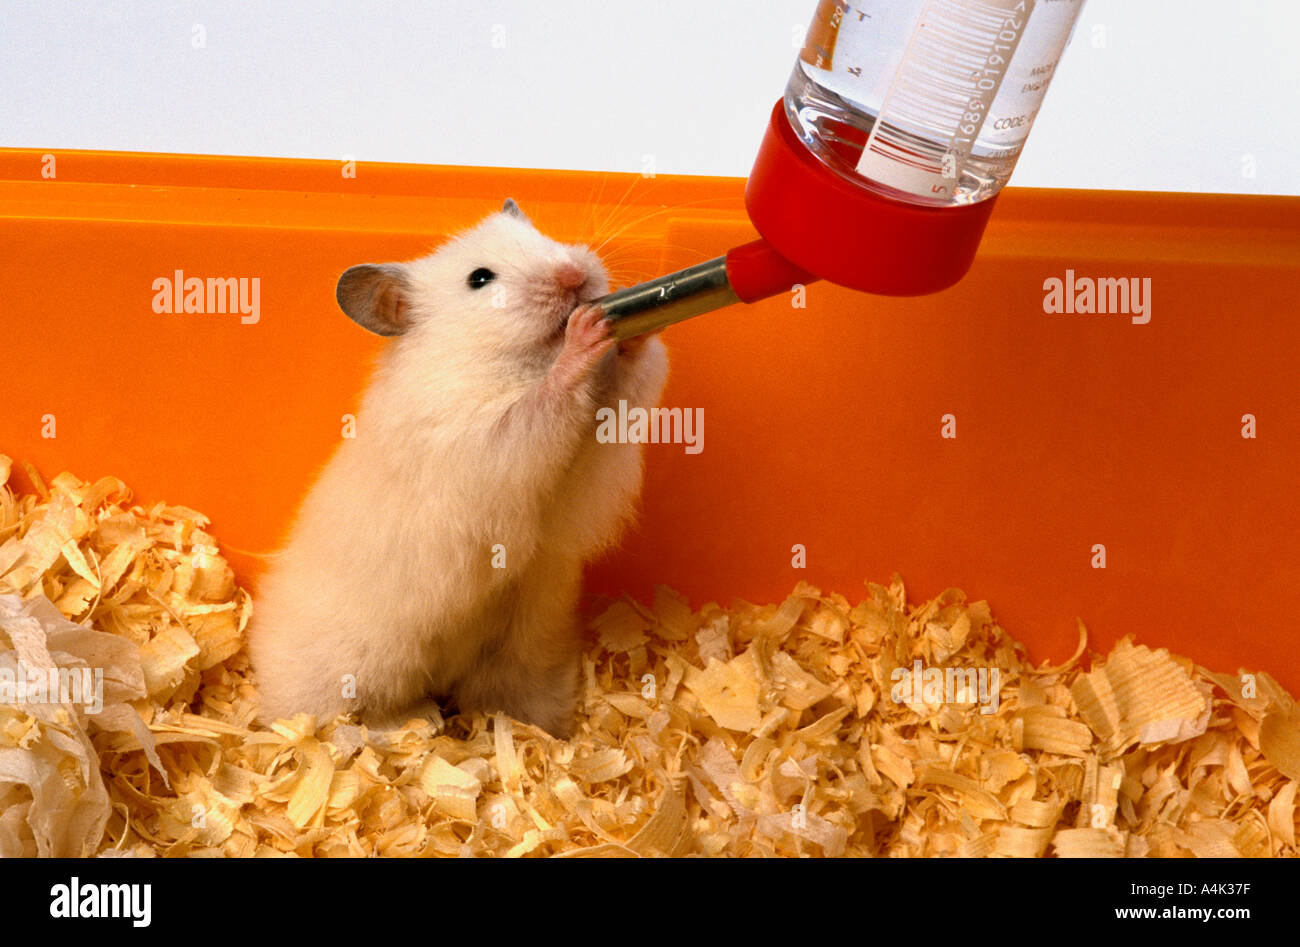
(1181, 95)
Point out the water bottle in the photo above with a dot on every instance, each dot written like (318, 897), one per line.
(881, 164)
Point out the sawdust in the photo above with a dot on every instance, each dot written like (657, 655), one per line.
(817, 726)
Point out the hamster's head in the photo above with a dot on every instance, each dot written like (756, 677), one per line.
(501, 289)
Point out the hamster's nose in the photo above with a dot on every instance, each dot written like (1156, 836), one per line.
(570, 275)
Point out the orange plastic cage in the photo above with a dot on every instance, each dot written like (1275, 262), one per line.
(823, 425)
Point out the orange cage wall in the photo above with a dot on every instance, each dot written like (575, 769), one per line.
(823, 425)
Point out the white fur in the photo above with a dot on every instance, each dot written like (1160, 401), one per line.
(388, 573)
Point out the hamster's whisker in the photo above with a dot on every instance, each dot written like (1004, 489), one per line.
(623, 203)
(608, 219)
(593, 201)
(646, 217)
(643, 259)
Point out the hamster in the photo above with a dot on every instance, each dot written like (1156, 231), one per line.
(439, 554)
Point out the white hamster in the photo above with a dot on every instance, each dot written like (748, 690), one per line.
(439, 554)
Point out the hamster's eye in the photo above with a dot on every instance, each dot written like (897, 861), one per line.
(480, 278)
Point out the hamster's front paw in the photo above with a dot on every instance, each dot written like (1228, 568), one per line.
(588, 337)
(588, 332)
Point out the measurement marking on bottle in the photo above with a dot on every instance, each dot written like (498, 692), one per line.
(941, 95)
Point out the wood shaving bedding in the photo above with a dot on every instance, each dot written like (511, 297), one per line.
(753, 730)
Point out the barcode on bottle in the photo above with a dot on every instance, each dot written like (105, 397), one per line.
(933, 112)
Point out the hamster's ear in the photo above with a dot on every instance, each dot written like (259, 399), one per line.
(513, 210)
(375, 297)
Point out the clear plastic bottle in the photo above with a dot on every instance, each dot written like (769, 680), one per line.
(927, 101)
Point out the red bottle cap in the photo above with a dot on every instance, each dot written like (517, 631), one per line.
(824, 224)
